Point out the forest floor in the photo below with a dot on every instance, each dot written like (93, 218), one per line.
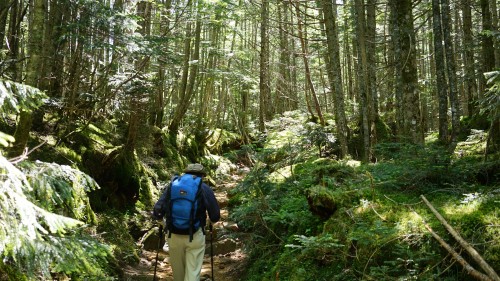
(228, 259)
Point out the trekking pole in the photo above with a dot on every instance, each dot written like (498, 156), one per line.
(212, 249)
(158, 249)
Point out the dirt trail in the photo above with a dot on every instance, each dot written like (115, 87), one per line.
(229, 259)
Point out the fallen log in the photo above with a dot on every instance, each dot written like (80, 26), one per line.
(468, 268)
(472, 252)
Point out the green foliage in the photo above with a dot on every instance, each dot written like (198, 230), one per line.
(374, 233)
(6, 140)
(115, 229)
(490, 103)
(38, 242)
(60, 189)
(323, 247)
(321, 137)
(15, 97)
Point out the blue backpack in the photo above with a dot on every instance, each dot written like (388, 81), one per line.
(183, 213)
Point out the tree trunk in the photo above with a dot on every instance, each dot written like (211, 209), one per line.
(410, 104)
(363, 78)
(4, 11)
(334, 72)
(265, 90)
(16, 17)
(188, 86)
(307, 70)
(440, 67)
(371, 27)
(488, 50)
(470, 72)
(139, 97)
(452, 76)
(34, 64)
(397, 55)
(495, 27)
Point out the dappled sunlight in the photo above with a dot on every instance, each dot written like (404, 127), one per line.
(469, 204)
(409, 222)
(280, 175)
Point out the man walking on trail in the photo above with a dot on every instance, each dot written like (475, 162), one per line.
(184, 205)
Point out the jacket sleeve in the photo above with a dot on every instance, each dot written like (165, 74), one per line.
(211, 203)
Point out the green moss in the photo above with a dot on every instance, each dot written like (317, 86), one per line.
(10, 273)
(115, 231)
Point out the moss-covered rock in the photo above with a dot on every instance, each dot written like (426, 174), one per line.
(123, 179)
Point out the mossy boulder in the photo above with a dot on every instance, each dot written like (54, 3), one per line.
(123, 179)
(321, 201)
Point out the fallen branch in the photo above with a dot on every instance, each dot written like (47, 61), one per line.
(468, 268)
(474, 254)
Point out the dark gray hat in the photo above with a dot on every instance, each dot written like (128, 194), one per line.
(195, 168)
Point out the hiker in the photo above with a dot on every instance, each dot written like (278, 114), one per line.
(184, 205)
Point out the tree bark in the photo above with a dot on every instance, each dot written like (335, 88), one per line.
(470, 72)
(452, 75)
(441, 84)
(34, 64)
(363, 78)
(405, 51)
(307, 70)
(334, 72)
(488, 50)
(264, 86)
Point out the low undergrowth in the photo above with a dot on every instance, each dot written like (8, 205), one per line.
(314, 218)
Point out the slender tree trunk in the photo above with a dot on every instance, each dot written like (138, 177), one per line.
(495, 27)
(441, 84)
(451, 68)
(335, 72)
(187, 97)
(488, 50)
(470, 71)
(34, 64)
(4, 11)
(307, 70)
(363, 77)
(16, 16)
(371, 26)
(265, 90)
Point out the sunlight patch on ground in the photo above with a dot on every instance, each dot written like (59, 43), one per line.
(282, 138)
(469, 204)
(409, 223)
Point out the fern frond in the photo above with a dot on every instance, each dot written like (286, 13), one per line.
(61, 189)
(37, 241)
(15, 97)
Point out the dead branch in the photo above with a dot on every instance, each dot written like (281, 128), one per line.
(474, 254)
(468, 268)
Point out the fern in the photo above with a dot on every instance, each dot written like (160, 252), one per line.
(15, 97)
(36, 241)
(60, 189)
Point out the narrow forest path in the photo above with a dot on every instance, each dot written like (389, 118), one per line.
(229, 258)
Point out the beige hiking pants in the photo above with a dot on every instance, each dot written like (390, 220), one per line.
(186, 257)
